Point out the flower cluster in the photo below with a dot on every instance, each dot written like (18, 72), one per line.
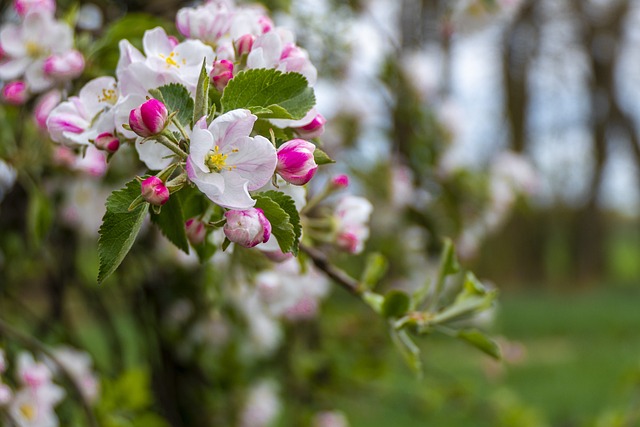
(32, 403)
(37, 53)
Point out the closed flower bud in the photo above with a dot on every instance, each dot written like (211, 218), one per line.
(45, 104)
(247, 227)
(196, 231)
(149, 119)
(221, 73)
(340, 181)
(244, 44)
(66, 66)
(350, 242)
(23, 7)
(108, 142)
(313, 129)
(15, 93)
(154, 191)
(296, 164)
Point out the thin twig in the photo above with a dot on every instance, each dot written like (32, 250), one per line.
(35, 345)
(340, 277)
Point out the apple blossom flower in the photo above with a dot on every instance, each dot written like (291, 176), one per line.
(261, 407)
(26, 46)
(247, 227)
(296, 164)
(5, 394)
(225, 163)
(108, 142)
(15, 93)
(195, 230)
(163, 62)
(221, 73)
(23, 7)
(352, 215)
(78, 365)
(149, 119)
(32, 374)
(44, 105)
(65, 66)
(30, 408)
(82, 118)
(276, 49)
(93, 162)
(154, 191)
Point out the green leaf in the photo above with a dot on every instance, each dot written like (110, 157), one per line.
(281, 226)
(272, 93)
(289, 206)
(262, 127)
(119, 228)
(321, 157)
(39, 217)
(479, 340)
(409, 350)
(201, 107)
(396, 303)
(375, 268)
(177, 98)
(473, 299)
(171, 223)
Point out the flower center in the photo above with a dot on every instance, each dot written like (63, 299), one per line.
(28, 412)
(108, 95)
(34, 50)
(216, 161)
(171, 60)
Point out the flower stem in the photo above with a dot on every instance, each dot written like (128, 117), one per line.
(171, 146)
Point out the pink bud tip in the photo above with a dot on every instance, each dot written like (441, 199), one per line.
(149, 119)
(23, 7)
(154, 191)
(195, 230)
(173, 40)
(247, 227)
(221, 73)
(15, 93)
(340, 181)
(313, 129)
(66, 66)
(108, 142)
(296, 163)
(244, 44)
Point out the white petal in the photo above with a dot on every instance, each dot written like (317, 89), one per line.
(12, 41)
(14, 68)
(255, 161)
(155, 155)
(201, 144)
(95, 95)
(211, 184)
(156, 42)
(128, 55)
(236, 194)
(231, 126)
(36, 80)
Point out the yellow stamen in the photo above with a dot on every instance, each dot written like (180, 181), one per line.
(28, 412)
(217, 161)
(171, 60)
(33, 49)
(108, 95)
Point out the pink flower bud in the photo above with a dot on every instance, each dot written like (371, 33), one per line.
(244, 44)
(340, 181)
(149, 119)
(108, 142)
(173, 41)
(66, 66)
(196, 231)
(45, 104)
(313, 129)
(23, 7)
(350, 242)
(154, 191)
(221, 73)
(266, 24)
(15, 93)
(247, 227)
(295, 161)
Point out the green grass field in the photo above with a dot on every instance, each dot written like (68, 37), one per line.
(581, 364)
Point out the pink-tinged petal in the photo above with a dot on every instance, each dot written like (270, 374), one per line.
(201, 145)
(211, 184)
(193, 51)
(14, 68)
(302, 66)
(12, 41)
(231, 126)
(45, 105)
(235, 195)
(98, 94)
(129, 54)
(156, 156)
(155, 42)
(64, 119)
(255, 160)
(93, 163)
(266, 51)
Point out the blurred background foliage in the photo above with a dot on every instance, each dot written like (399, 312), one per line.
(558, 81)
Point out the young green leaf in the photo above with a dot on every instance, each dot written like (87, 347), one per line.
(171, 223)
(201, 107)
(375, 268)
(409, 350)
(119, 228)
(271, 93)
(396, 303)
(281, 226)
(321, 157)
(177, 98)
(480, 341)
(289, 206)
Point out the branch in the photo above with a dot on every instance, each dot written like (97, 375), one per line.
(340, 277)
(36, 345)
